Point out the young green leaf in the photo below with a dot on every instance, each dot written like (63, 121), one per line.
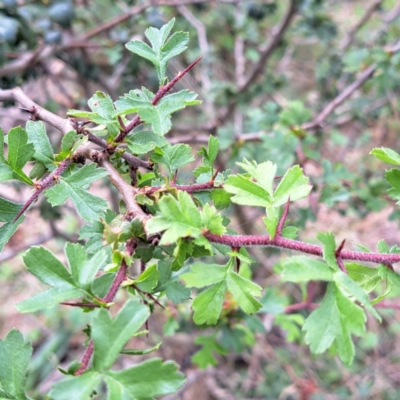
(367, 278)
(15, 354)
(179, 218)
(202, 275)
(328, 240)
(173, 157)
(110, 335)
(333, 322)
(294, 185)
(207, 305)
(303, 269)
(162, 50)
(210, 154)
(159, 116)
(393, 177)
(149, 379)
(148, 279)
(88, 206)
(37, 135)
(102, 104)
(19, 153)
(244, 290)
(386, 155)
(144, 142)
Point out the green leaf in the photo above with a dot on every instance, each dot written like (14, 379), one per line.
(295, 114)
(159, 116)
(110, 335)
(19, 153)
(263, 173)
(205, 356)
(48, 299)
(393, 177)
(367, 278)
(147, 281)
(208, 304)
(247, 192)
(149, 379)
(180, 218)
(294, 185)
(8, 210)
(202, 275)
(68, 141)
(76, 387)
(173, 157)
(303, 269)
(140, 352)
(210, 154)
(221, 198)
(212, 221)
(102, 104)
(271, 221)
(244, 290)
(88, 206)
(47, 268)
(176, 292)
(7, 230)
(333, 322)
(15, 354)
(386, 155)
(37, 135)
(352, 288)
(329, 248)
(143, 142)
(162, 50)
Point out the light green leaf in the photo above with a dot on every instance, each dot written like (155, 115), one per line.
(367, 278)
(37, 135)
(88, 206)
(102, 104)
(179, 218)
(328, 240)
(159, 116)
(294, 185)
(47, 268)
(208, 304)
(143, 142)
(210, 154)
(304, 269)
(7, 230)
(76, 387)
(202, 275)
(15, 354)
(393, 177)
(68, 141)
(48, 299)
(8, 210)
(149, 379)
(212, 221)
(142, 50)
(351, 288)
(247, 192)
(147, 281)
(244, 290)
(173, 157)
(19, 153)
(176, 292)
(205, 356)
(110, 335)
(333, 322)
(386, 155)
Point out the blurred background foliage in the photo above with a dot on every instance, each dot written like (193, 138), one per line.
(268, 71)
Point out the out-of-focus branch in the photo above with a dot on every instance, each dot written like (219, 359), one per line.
(349, 38)
(17, 94)
(266, 51)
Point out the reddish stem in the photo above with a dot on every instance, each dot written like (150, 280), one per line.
(85, 359)
(278, 241)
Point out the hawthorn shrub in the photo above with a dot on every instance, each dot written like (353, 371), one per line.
(176, 226)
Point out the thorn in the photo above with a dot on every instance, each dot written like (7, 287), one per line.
(216, 173)
(283, 218)
(121, 123)
(338, 258)
(31, 199)
(340, 248)
(173, 181)
(91, 305)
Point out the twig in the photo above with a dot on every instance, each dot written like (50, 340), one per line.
(283, 218)
(281, 242)
(347, 92)
(349, 38)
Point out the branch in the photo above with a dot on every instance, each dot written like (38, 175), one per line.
(346, 93)
(276, 36)
(284, 243)
(348, 40)
(17, 94)
(196, 187)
